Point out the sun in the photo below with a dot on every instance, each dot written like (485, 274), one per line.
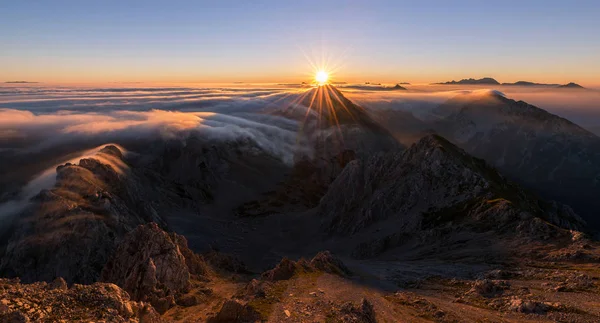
(321, 77)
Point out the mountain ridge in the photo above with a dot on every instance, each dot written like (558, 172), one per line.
(540, 150)
(492, 81)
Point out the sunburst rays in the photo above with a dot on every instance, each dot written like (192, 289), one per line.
(325, 108)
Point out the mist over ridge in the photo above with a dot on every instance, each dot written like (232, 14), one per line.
(230, 179)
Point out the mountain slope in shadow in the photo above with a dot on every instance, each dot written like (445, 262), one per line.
(544, 152)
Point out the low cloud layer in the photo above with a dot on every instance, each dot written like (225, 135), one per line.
(51, 116)
(35, 119)
(41, 128)
(579, 106)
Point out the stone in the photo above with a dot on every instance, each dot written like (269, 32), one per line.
(58, 283)
(234, 311)
(285, 269)
(150, 266)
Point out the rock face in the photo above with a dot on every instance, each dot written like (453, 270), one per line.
(387, 199)
(539, 150)
(150, 265)
(41, 302)
(71, 229)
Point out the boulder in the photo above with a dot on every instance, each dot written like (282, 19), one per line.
(150, 266)
(234, 311)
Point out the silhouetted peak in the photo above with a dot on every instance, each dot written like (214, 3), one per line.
(571, 85)
(333, 108)
(472, 81)
(436, 146)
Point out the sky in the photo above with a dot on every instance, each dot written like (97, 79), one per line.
(276, 41)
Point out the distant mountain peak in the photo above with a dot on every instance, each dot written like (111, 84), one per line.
(571, 85)
(335, 109)
(492, 81)
(472, 81)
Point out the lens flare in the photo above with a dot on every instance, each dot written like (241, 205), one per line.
(322, 77)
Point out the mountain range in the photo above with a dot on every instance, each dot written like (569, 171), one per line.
(492, 81)
(485, 213)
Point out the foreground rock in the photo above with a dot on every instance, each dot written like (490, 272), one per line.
(150, 265)
(42, 302)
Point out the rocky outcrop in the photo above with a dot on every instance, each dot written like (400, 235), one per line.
(235, 311)
(285, 269)
(71, 230)
(195, 263)
(42, 302)
(150, 265)
(487, 287)
(324, 261)
(430, 174)
(357, 314)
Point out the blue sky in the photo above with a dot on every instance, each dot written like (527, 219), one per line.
(387, 41)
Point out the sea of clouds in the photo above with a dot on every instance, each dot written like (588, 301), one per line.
(42, 126)
(47, 116)
(37, 119)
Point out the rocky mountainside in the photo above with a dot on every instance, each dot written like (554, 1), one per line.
(434, 186)
(541, 151)
(333, 124)
(71, 229)
(338, 131)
